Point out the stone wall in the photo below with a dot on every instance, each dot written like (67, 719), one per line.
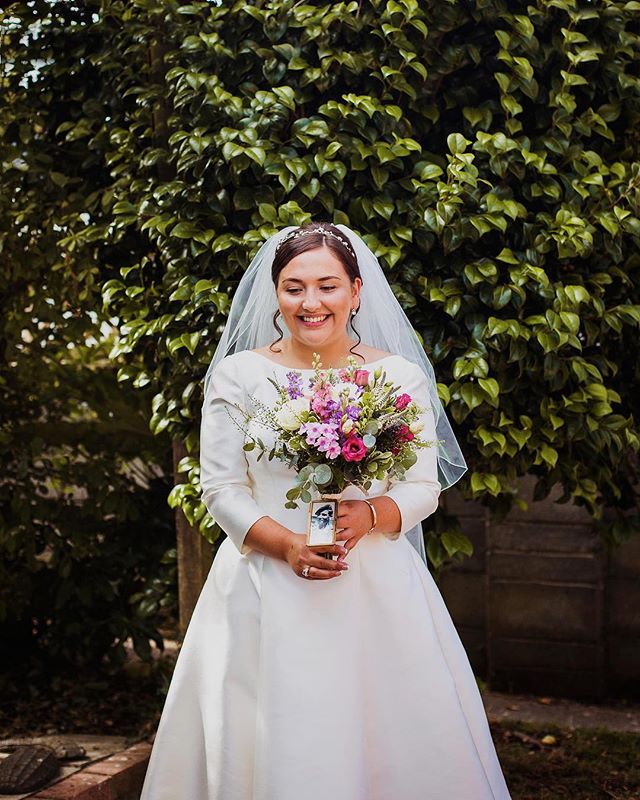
(541, 607)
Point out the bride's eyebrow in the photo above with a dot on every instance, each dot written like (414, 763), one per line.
(326, 278)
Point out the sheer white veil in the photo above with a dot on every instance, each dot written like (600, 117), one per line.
(380, 321)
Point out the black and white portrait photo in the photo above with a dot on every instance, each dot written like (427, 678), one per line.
(322, 522)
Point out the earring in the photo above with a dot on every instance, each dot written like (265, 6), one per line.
(353, 312)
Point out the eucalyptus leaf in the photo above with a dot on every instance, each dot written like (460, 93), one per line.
(322, 474)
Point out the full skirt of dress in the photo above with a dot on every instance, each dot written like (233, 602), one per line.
(353, 688)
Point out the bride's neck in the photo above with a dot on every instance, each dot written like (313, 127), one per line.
(333, 355)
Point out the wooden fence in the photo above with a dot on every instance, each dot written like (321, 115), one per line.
(542, 607)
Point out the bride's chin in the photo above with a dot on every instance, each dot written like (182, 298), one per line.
(307, 336)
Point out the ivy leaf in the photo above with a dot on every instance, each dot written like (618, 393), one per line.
(456, 543)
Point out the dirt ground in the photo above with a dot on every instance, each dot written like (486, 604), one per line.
(564, 713)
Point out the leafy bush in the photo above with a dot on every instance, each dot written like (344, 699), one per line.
(86, 536)
(84, 525)
(487, 151)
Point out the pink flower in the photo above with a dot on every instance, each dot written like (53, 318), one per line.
(403, 433)
(361, 377)
(318, 431)
(354, 449)
(333, 451)
(344, 375)
(312, 430)
(402, 401)
(319, 401)
(323, 443)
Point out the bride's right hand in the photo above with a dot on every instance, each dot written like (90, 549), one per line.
(299, 555)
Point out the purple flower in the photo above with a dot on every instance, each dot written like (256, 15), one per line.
(353, 412)
(294, 388)
(332, 406)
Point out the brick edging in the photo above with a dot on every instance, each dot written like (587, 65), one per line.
(116, 777)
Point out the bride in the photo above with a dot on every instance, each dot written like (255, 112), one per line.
(302, 677)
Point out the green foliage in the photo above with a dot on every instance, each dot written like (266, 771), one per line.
(488, 153)
(83, 522)
(85, 529)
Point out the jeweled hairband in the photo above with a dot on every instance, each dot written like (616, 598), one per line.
(324, 231)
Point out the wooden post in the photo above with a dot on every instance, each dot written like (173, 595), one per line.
(195, 554)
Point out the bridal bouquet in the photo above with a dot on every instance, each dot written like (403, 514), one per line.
(340, 427)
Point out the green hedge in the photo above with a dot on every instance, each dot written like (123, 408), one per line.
(486, 150)
(87, 543)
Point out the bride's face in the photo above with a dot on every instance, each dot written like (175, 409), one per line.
(316, 296)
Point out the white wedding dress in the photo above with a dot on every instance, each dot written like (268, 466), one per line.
(353, 688)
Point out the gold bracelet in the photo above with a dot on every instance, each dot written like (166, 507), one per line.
(375, 516)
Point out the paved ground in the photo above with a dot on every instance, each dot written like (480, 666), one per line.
(564, 713)
(96, 747)
(499, 707)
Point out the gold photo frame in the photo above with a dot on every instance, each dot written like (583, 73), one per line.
(322, 523)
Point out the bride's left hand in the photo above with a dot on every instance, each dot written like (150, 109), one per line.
(354, 517)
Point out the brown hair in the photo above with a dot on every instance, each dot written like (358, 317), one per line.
(292, 247)
(315, 238)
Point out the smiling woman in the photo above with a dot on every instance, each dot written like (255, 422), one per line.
(274, 624)
(317, 283)
(314, 299)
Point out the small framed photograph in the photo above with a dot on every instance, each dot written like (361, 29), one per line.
(323, 520)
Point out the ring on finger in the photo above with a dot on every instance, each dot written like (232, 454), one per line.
(305, 571)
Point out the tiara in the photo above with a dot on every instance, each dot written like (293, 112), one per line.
(320, 229)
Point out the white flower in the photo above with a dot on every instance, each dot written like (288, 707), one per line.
(288, 415)
(338, 389)
(347, 426)
(416, 426)
(299, 405)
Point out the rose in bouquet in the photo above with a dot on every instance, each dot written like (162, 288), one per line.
(340, 427)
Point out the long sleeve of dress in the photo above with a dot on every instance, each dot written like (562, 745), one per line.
(417, 495)
(226, 488)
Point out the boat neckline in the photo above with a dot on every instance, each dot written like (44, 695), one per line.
(310, 369)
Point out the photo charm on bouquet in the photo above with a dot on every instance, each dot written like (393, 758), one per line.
(323, 516)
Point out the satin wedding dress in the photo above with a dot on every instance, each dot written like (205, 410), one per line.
(353, 688)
